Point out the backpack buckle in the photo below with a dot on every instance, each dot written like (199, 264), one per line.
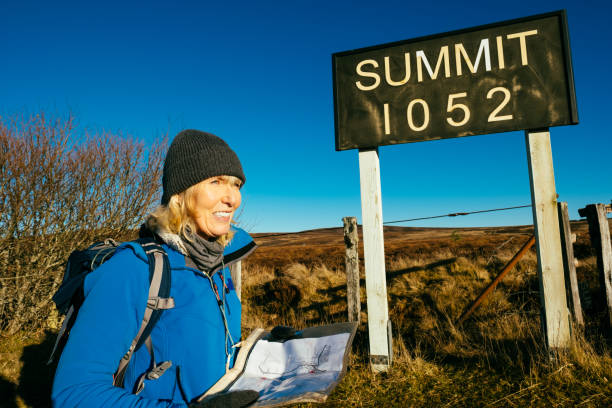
(152, 247)
(157, 303)
(159, 370)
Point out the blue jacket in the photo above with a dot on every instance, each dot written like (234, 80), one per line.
(191, 335)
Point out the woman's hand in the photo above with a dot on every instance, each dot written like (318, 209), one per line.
(233, 399)
(283, 333)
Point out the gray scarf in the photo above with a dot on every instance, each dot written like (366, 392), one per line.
(204, 253)
(199, 252)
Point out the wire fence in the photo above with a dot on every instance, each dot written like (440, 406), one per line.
(455, 214)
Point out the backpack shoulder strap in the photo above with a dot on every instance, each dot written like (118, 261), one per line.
(158, 300)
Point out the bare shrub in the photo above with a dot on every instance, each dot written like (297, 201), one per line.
(61, 191)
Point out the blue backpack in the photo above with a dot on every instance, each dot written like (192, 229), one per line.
(70, 296)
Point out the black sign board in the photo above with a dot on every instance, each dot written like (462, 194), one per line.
(500, 77)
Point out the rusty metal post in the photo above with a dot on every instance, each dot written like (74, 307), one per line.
(496, 281)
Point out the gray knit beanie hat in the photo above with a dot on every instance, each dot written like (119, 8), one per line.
(194, 156)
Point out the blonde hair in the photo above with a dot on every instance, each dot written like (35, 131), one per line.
(178, 215)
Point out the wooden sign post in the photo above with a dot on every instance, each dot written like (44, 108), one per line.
(374, 253)
(501, 77)
(555, 316)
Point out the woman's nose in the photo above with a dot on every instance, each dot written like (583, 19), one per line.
(231, 197)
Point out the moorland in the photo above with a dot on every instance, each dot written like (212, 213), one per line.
(496, 358)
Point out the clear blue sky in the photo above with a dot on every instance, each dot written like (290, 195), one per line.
(258, 74)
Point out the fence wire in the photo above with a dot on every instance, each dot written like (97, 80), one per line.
(455, 214)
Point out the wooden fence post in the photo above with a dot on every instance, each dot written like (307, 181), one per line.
(351, 261)
(569, 263)
(236, 274)
(374, 253)
(599, 230)
(555, 316)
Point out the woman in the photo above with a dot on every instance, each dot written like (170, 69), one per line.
(202, 178)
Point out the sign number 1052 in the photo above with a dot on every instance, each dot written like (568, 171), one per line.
(454, 105)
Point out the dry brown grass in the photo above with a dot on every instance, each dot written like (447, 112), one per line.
(495, 359)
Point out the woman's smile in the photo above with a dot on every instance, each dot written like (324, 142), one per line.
(214, 203)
